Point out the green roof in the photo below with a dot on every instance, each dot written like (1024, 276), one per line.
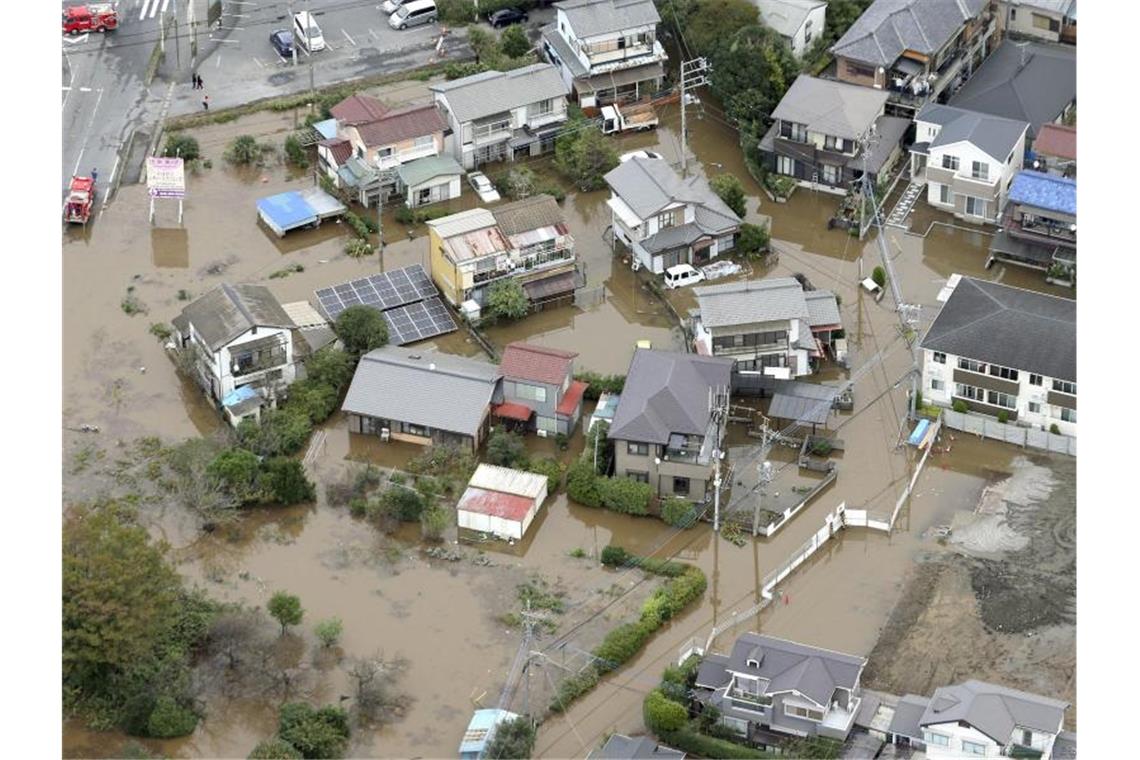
(422, 169)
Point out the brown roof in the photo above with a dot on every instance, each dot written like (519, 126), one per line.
(1057, 140)
(531, 213)
(339, 148)
(530, 362)
(396, 126)
(358, 109)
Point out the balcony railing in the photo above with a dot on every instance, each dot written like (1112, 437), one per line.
(485, 133)
(1044, 230)
(393, 160)
(520, 266)
(260, 362)
(747, 701)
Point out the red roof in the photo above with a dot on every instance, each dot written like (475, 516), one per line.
(1057, 140)
(339, 148)
(511, 410)
(527, 361)
(358, 109)
(397, 126)
(572, 398)
(495, 503)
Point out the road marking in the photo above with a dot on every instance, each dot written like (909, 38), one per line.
(374, 35)
(258, 62)
(154, 9)
(350, 40)
(111, 181)
(235, 42)
(77, 160)
(76, 40)
(165, 3)
(218, 65)
(329, 46)
(145, 7)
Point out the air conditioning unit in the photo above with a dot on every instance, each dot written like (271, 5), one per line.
(385, 434)
(542, 433)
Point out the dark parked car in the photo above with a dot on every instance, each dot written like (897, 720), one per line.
(282, 42)
(506, 17)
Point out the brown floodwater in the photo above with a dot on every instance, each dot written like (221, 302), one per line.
(443, 616)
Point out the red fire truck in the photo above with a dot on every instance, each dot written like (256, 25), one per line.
(98, 17)
(80, 199)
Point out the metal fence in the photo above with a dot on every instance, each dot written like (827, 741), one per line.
(988, 427)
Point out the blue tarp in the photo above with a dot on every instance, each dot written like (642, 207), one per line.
(326, 128)
(1044, 191)
(238, 395)
(286, 211)
(919, 432)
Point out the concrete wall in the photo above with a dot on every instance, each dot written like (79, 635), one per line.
(1023, 20)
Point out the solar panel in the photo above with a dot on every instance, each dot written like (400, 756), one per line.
(418, 321)
(386, 290)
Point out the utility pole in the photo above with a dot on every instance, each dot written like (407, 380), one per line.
(193, 27)
(764, 474)
(162, 33)
(177, 42)
(718, 409)
(692, 76)
(308, 44)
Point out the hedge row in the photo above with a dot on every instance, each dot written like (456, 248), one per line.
(668, 717)
(600, 384)
(618, 494)
(694, 743)
(616, 556)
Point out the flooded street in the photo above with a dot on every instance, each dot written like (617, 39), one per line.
(444, 617)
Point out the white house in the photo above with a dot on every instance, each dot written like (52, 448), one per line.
(978, 719)
(606, 50)
(501, 501)
(1049, 20)
(1005, 352)
(241, 342)
(666, 220)
(498, 116)
(967, 160)
(800, 22)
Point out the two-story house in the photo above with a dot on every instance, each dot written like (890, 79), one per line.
(663, 430)
(373, 143)
(919, 51)
(1004, 352)
(498, 116)
(539, 391)
(1039, 226)
(799, 22)
(1048, 20)
(665, 220)
(607, 50)
(979, 719)
(241, 342)
(967, 159)
(768, 687)
(764, 324)
(526, 240)
(819, 130)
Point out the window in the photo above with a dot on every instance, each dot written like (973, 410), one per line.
(1012, 14)
(411, 429)
(1034, 407)
(542, 108)
(666, 219)
(1064, 386)
(972, 366)
(970, 392)
(425, 141)
(803, 712)
(807, 35)
(1026, 737)
(945, 195)
(937, 385)
(1034, 379)
(831, 142)
(940, 740)
(637, 449)
(681, 486)
(794, 131)
(939, 357)
(859, 71)
(739, 725)
(785, 166)
(949, 162)
(1069, 415)
(975, 206)
(1005, 400)
(725, 243)
(973, 748)
(830, 174)
(640, 477)
(530, 392)
(1044, 22)
(980, 170)
(1005, 373)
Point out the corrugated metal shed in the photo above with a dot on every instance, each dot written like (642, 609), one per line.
(493, 478)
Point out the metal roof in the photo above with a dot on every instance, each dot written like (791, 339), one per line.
(786, 16)
(227, 311)
(995, 135)
(830, 107)
(491, 477)
(1063, 7)
(1056, 140)
(425, 388)
(799, 409)
(666, 393)
(421, 170)
(492, 92)
(590, 18)
(527, 361)
(889, 27)
(1044, 191)
(507, 506)
(994, 710)
(751, 301)
(461, 223)
(1030, 82)
(822, 308)
(1014, 328)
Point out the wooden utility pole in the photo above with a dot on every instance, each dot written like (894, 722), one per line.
(692, 76)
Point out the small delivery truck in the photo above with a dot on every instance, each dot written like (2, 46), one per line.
(629, 118)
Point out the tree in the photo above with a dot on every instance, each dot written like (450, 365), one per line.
(730, 190)
(236, 470)
(513, 43)
(286, 609)
(195, 487)
(283, 481)
(275, 749)
(329, 366)
(183, 146)
(506, 299)
(520, 182)
(506, 450)
(879, 276)
(169, 719)
(361, 329)
(295, 153)
(236, 635)
(281, 431)
(434, 521)
(663, 715)
(329, 631)
(753, 241)
(243, 150)
(402, 504)
(584, 155)
(319, 733)
(512, 739)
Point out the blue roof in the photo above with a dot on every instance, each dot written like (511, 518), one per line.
(919, 431)
(1044, 191)
(326, 128)
(238, 395)
(286, 211)
(480, 729)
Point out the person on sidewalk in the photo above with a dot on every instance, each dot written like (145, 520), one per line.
(201, 84)
(205, 102)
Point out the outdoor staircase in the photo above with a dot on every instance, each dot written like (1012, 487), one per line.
(902, 209)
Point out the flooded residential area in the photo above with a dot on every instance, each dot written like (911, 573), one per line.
(805, 431)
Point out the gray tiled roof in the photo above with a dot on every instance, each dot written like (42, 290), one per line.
(908, 715)
(785, 17)
(621, 747)
(589, 18)
(492, 92)
(789, 666)
(833, 108)
(993, 710)
(823, 309)
(673, 237)
(425, 388)
(648, 185)
(227, 311)
(1029, 82)
(667, 392)
(995, 135)
(528, 214)
(750, 301)
(1015, 328)
(888, 27)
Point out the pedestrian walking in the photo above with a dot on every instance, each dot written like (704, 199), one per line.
(94, 176)
(205, 102)
(201, 84)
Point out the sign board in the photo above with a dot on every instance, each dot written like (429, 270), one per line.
(165, 177)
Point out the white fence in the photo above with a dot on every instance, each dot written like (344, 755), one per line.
(988, 427)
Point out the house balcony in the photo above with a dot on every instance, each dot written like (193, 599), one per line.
(519, 267)
(743, 700)
(395, 160)
(984, 408)
(535, 121)
(837, 721)
(986, 381)
(490, 132)
(1041, 230)
(266, 361)
(604, 62)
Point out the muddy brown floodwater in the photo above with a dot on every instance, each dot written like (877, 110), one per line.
(443, 616)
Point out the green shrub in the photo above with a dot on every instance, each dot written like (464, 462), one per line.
(621, 644)
(403, 504)
(284, 481)
(918, 400)
(456, 13)
(358, 225)
(815, 748)
(663, 715)
(513, 42)
(361, 329)
(730, 190)
(1055, 429)
(700, 745)
(281, 432)
(753, 242)
(1003, 416)
(169, 719)
(513, 739)
(319, 733)
(582, 484)
(505, 449)
(624, 495)
(295, 153)
(879, 276)
(549, 467)
(434, 521)
(329, 631)
(657, 566)
(459, 70)
(583, 155)
(358, 248)
(275, 749)
(358, 507)
(236, 470)
(243, 150)
(677, 511)
(599, 384)
(960, 406)
(616, 556)
(317, 400)
(180, 145)
(161, 331)
(573, 687)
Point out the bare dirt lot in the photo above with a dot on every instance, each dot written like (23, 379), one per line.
(1006, 616)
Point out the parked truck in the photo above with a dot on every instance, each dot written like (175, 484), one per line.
(96, 17)
(629, 118)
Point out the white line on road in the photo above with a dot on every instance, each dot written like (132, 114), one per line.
(350, 40)
(77, 160)
(258, 62)
(145, 7)
(66, 88)
(111, 181)
(83, 89)
(329, 45)
(235, 42)
(218, 65)
(154, 9)
(375, 36)
(165, 4)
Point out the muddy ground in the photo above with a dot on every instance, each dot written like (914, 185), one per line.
(998, 601)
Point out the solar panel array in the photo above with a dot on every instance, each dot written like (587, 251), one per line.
(406, 297)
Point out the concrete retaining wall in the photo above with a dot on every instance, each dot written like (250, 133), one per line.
(988, 427)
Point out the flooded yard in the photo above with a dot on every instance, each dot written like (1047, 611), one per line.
(445, 616)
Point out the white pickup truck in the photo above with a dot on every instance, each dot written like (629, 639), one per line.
(630, 118)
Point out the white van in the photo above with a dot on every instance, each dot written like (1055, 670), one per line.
(681, 275)
(413, 13)
(306, 33)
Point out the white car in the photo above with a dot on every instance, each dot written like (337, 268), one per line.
(640, 154)
(681, 275)
(391, 6)
(486, 191)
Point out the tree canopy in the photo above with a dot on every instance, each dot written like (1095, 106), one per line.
(730, 190)
(506, 299)
(361, 329)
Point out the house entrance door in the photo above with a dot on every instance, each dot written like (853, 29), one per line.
(674, 257)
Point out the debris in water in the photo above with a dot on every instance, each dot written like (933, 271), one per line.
(438, 552)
